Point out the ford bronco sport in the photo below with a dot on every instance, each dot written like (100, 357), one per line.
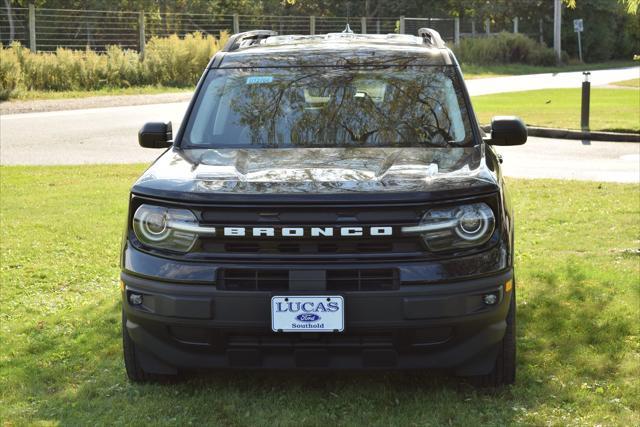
(329, 202)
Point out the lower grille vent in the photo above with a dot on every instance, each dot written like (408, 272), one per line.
(254, 280)
(361, 280)
(337, 280)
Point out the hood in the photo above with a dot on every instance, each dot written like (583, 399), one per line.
(199, 173)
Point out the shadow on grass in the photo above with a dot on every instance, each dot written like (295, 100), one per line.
(71, 371)
(575, 317)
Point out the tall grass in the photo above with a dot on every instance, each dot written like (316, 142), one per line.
(504, 48)
(175, 61)
(10, 74)
(170, 61)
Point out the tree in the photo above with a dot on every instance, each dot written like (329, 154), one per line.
(602, 38)
(631, 5)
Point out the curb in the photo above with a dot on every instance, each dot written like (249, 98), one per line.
(578, 134)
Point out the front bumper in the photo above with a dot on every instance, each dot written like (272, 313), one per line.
(443, 325)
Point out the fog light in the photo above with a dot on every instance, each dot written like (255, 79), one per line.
(135, 299)
(490, 299)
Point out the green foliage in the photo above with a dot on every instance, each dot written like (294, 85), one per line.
(61, 361)
(9, 72)
(609, 31)
(176, 62)
(168, 61)
(123, 68)
(504, 48)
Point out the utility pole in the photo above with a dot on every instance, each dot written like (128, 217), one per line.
(557, 29)
(12, 30)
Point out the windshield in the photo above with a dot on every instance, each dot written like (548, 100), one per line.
(329, 107)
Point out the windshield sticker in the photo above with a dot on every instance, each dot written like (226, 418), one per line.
(258, 80)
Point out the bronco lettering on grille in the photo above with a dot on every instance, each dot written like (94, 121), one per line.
(307, 231)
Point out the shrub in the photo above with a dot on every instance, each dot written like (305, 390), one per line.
(175, 61)
(168, 61)
(178, 62)
(63, 70)
(9, 72)
(123, 68)
(504, 48)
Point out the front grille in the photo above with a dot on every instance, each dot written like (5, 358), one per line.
(273, 247)
(399, 245)
(242, 279)
(307, 247)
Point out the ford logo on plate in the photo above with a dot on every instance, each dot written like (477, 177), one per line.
(308, 317)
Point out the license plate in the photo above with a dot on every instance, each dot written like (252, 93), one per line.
(307, 313)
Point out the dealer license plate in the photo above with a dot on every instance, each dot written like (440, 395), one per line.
(307, 313)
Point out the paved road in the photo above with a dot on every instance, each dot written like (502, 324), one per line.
(97, 135)
(571, 159)
(108, 135)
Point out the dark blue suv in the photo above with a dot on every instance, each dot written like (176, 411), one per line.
(329, 202)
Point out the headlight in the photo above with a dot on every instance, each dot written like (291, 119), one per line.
(166, 228)
(455, 227)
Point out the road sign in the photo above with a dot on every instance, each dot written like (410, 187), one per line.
(577, 25)
(578, 28)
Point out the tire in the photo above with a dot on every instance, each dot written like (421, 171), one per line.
(135, 372)
(504, 370)
(133, 361)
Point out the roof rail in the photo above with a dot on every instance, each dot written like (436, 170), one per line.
(432, 37)
(247, 38)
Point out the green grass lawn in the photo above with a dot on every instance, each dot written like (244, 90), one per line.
(578, 331)
(611, 109)
(472, 71)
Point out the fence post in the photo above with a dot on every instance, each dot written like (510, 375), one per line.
(473, 28)
(363, 25)
(312, 25)
(236, 23)
(402, 25)
(487, 26)
(456, 31)
(540, 28)
(141, 35)
(378, 26)
(32, 27)
(515, 25)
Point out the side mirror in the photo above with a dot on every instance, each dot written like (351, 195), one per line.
(507, 130)
(155, 135)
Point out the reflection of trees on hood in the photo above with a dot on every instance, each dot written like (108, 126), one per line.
(345, 107)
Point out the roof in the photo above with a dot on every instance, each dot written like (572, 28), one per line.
(267, 49)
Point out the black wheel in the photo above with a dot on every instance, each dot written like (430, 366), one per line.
(504, 370)
(134, 361)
